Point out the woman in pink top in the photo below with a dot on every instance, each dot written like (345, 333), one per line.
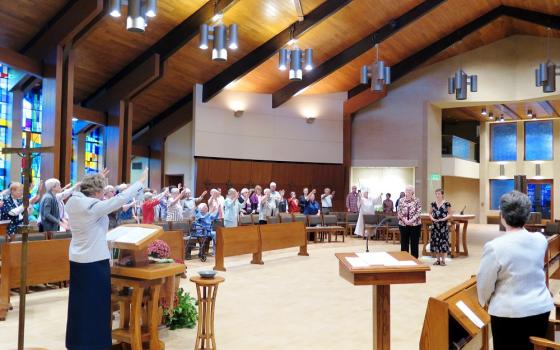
(409, 221)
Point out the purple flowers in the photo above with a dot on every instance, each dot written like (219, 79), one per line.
(159, 249)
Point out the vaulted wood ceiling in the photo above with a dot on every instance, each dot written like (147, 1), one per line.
(108, 48)
(510, 111)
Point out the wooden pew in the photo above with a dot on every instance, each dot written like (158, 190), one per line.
(552, 258)
(240, 240)
(48, 263)
(280, 236)
(176, 243)
(445, 324)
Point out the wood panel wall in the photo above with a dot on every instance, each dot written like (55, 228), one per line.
(227, 173)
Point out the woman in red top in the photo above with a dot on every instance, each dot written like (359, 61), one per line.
(148, 206)
(293, 205)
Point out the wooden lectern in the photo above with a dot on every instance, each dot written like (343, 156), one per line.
(446, 326)
(381, 277)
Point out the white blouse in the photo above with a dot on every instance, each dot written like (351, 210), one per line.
(90, 223)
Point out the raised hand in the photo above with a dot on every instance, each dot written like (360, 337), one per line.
(105, 172)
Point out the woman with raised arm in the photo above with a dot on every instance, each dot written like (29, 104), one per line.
(89, 302)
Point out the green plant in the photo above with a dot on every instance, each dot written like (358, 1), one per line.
(185, 313)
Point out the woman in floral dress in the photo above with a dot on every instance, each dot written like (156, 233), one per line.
(439, 239)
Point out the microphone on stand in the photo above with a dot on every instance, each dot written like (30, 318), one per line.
(375, 231)
(463, 211)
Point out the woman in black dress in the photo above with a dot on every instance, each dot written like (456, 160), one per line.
(439, 239)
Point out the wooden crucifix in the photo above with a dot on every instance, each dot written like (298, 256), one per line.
(28, 154)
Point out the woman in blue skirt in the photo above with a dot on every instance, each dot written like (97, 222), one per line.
(89, 303)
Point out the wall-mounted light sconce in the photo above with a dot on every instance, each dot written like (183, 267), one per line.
(238, 114)
(538, 169)
(310, 120)
(502, 170)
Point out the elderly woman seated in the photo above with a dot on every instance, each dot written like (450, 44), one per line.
(202, 227)
(511, 278)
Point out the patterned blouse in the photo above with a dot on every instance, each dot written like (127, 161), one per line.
(15, 220)
(410, 210)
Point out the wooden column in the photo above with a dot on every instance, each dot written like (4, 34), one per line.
(118, 141)
(52, 111)
(15, 139)
(67, 113)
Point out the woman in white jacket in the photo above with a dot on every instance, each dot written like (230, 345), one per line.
(89, 301)
(511, 278)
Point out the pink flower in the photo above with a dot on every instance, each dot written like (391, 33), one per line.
(159, 249)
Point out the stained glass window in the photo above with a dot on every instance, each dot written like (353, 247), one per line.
(503, 138)
(94, 149)
(32, 121)
(497, 189)
(538, 140)
(5, 112)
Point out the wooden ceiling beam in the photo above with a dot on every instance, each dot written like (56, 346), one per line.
(510, 112)
(262, 53)
(90, 115)
(166, 123)
(62, 29)
(21, 62)
(414, 61)
(165, 47)
(354, 51)
(548, 108)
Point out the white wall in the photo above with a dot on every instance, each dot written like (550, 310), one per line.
(382, 180)
(136, 173)
(179, 156)
(266, 133)
(404, 128)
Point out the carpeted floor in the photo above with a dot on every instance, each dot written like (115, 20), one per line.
(290, 302)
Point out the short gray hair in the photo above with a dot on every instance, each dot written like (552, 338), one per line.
(109, 188)
(51, 183)
(92, 184)
(515, 208)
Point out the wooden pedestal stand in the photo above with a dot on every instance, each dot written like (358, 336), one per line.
(206, 289)
(380, 278)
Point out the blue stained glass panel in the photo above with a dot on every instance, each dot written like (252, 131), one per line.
(461, 148)
(503, 141)
(5, 116)
(538, 140)
(497, 189)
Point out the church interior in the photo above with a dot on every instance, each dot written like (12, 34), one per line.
(323, 174)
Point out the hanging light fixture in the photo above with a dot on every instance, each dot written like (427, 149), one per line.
(457, 84)
(501, 118)
(115, 8)
(530, 114)
(491, 116)
(379, 73)
(221, 35)
(545, 74)
(151, 8)
(484, 112)
(295, 59)
(135, 22)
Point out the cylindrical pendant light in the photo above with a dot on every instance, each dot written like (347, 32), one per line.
(474, 83)
(296, 72)
(203, 43)
(151, 9)
(450, 85)
(282, 59)
(550, 85)
(134, 21)
(115, 8)
(387, 75)
(219, 52)
(364, 75)
(380, 70)
(233, 44)
(308, 59)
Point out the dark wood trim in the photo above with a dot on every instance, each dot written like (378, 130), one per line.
(542, 19)
(513, 114)
(62, 29)
(360, 47)
(22, 62)
(262, 53)
(165, 47)
(141, 151)
(549, 108)
(90, 115)
(67, 111)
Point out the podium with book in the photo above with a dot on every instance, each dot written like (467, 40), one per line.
(455, 320)
(136, 285)
(380, 270)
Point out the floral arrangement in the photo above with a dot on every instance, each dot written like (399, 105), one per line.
(159, 249)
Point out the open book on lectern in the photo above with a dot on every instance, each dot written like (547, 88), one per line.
(133, 236)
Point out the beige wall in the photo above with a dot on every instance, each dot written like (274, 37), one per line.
(460, 191)
(404, 128)
(179, 155)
